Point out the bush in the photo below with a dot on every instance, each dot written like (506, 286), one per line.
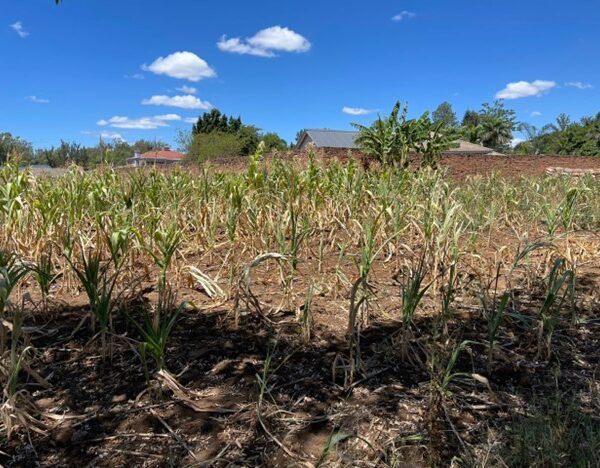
(214, 145)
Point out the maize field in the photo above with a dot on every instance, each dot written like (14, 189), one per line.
(291, 314)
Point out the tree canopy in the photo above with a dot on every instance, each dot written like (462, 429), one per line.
(217, 135)
(114, 153)
(445, 115)
(13, 145)
(492, 126)
(563, 137)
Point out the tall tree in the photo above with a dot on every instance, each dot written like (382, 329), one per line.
(445, 116)
(10, 145)
(274, 142)
(471, 119)
(215, 121)
(492, 126)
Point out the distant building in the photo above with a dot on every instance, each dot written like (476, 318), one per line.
(346, 139)
(156, 158)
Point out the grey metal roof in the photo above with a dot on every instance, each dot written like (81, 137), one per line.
(324, 138)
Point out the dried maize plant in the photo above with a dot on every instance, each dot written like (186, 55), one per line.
(413, 286)
(243, 292)
(560, 285)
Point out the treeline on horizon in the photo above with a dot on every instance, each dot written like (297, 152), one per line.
(216, 135)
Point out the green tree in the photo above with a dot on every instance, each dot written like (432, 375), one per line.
(273, 142)
(497, 125)
(445, 115)
(213, 145)
(10, 144)
(534, 143)
(492, 126)
(215, 121)
(564, 137)
(471, 119)
(496, 133)
(143, 146)
(249, 137)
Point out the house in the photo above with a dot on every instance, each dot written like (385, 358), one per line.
(156, 158)
(346, 140)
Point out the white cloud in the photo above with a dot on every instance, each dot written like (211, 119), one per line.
(142, 123)
(236, 46)
(266, 42)
(18, 28)
(136, 76)
(357, 111)
(522, 89)
(191, 120)
(579, 85)
(168, 117)
(183, 102)
(37, 100)
(182, 65)
(112, 136)
(535, 114)
(187, 89)
(515, 141)
(403, 15)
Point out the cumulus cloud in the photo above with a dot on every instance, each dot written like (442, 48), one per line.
(141, 123)
(535, 114)
(187, 89)
(522, 89)
(112, 136)
(403, 15)
(183, 102)
(182, 65)
(579, 85)
(266, 42)
(37, 100)
(191, 120)
(357, 111)
(18, 28)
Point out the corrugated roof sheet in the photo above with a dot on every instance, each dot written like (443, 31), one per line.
(324, 138)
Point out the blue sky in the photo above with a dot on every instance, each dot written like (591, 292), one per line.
(114, 67)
